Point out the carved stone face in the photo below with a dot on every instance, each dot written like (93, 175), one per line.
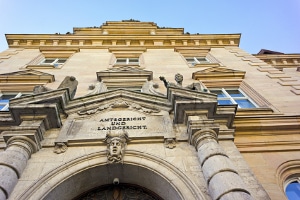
(178, 78)
(115, 147)
(116, 143)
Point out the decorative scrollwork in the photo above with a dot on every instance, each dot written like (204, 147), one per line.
(97, 88)
(119, 104)
(60, 147)
(93, 111)
(170, 143)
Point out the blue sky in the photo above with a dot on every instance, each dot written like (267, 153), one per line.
(273, 25)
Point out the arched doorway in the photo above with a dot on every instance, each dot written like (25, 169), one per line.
(91, 171)
(119, 192)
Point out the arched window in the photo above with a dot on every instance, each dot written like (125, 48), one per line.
(288, 178)
(292, 189)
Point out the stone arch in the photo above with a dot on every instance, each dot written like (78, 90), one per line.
(90, 171)
(286, 171)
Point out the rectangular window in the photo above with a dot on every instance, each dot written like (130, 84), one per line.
(197, 60)
(4, 100)
(56, 62)
(233, 96)
(127, 61)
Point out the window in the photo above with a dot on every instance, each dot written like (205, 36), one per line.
(50, 57)
(129, 77)
(56, 62)
(292, 189)
(233, 96)
(4, 99)
(127, 61)
(197, 60)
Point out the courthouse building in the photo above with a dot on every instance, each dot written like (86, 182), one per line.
(131, 110)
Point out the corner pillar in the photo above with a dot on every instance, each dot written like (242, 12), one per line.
(224, 183)
(13, 162)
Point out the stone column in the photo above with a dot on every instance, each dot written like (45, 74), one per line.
(224, 183)
(13, 162)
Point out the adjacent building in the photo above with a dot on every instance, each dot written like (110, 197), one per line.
(131, 110)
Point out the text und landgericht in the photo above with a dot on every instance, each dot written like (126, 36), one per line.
(121, 123)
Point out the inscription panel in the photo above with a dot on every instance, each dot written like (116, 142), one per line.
(136, 124)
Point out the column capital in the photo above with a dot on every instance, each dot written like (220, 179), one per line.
(23, 142)
(200, 137)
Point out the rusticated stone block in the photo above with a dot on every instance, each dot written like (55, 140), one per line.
(8, 179)
(225, 182)
(16, 160)
(209, 149)
(2, 195)
(236, 196)
(216, 164)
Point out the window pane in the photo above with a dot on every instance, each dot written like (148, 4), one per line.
(133, 60)
(4, 101)
(48, 60)
(244, 103)
(190, 60)
(224, 102)
(293, 191)
(7, 97)
(202, 60)
(2, 106)
(234, 93)
(61, 60)
(218, 92)
(121, 61)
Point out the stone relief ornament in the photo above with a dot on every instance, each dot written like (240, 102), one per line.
(60, 147)
(150, 88)
(120, 104)
(197, 86)
(93, 111)
(97, 88)
(116, 144)
(170, 143)
(143, 109)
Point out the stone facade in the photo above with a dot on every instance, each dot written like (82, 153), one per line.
(103, 110)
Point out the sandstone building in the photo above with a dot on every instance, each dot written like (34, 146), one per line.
(133, 110)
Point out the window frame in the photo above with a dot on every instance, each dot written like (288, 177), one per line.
(6, 104)
(233, 99)
(128, 61)
(56, 63)
(289, 181)
(196, 60)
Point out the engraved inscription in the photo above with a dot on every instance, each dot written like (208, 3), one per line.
(122, 123)
(135, 123)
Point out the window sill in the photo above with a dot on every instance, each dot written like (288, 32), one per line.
(254, 111)
(204, 65)
(43, 67)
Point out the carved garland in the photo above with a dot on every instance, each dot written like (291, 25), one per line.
(119, 104)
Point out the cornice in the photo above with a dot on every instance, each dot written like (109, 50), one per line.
(128, 27)
(280, 61)
(178, 99)
(24, 80)
(256, 124)
(219, 76)
(269, 133)
(108, 41)
(277, 56)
